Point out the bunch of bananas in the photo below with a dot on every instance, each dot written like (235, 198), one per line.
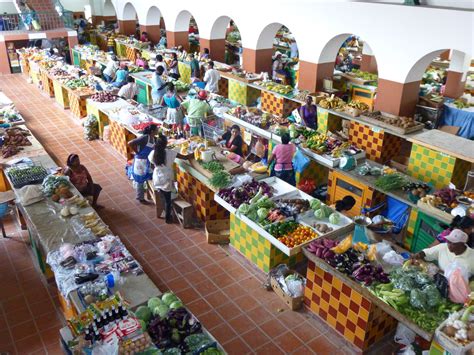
(361, 106)
(337, 152)
(317, 143)
(332, 103)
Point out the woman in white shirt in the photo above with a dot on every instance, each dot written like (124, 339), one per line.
(163, 173)
(110, 69)
(211, 78)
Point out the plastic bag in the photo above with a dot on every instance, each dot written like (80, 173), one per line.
(295, 285)
(404, 335)
(441, 283)
(300, 161)
(458, 280)
(392, 258)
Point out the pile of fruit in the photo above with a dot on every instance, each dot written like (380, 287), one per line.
(301, 95)
(58, 72)
(397, 121)
(363, 75)
(278, 88)
(77, 83)
(361, 106)
(332, 103)
(103, 96)
(300, 235)
(255, 117)
(417, 190)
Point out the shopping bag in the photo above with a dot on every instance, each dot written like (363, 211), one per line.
(300, 161)
(458, 279)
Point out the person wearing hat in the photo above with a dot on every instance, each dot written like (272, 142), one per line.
(454, 250)
(211, 78)
(196, 110)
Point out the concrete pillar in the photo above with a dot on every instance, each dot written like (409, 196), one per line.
(397, 98)
(456, 74)
(258, 60)
(153, 32)
(368, 64)
(216, 48)
(127, 27)
(311, 75)
(4, 63)
(175, 39)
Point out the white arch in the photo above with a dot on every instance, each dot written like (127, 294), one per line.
(129, 12)
(418, 69)
(153, 16)
(219, 27)
(182, 21)
(267, 35)
(109, 9)
(330, 50)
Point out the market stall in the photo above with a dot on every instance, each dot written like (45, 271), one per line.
(99, 106)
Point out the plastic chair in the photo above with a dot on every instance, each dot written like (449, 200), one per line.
(394, 210)
(3, 213)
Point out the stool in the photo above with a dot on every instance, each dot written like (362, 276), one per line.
(184, 212)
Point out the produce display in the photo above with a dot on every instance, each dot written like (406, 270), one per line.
(12, 141)
(301, 95)
(396, 121)
(255, 117)
(332, 103)
(95, 224)
(77, 83)
(447, 199)
(285, 208)
(236, 196)
(417, 190)
(103, 96)
(272, 86)
(460, 326)
(27, 176)
(213, 166)
(220, 179)
(57, 185)
(390, 182)
(181, 86)
(332, 145)
(301, 234)
(460, 104)
(9, 114)
(363, 75)
(59, 72)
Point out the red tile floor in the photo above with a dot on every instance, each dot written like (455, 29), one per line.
(215, 282)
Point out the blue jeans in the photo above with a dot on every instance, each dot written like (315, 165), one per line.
(286, 175)
(107, 78)
(118, 84)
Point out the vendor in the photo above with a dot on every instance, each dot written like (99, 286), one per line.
(111, 43)
(283, 156)
(140, 61)
(181, 53)
(195, 69)
(196, 111)
(278, 67)
(173, 67)
(308, 113)
(121, 76)
(345, 204)
(174, 113)
(233, 140)
(110, 69)
(163, 174)
(466, 224)
(81, 179)
(161, 63)
(205, 55)
(211, 78)
(454, 250)
(158, 85)
(140, 170)
(144, 37)
(130, 90)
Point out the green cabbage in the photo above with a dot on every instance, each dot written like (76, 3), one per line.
(143, 313)
(161, 310)
(176, 305)
(262, 213)
(168, 298)
(243, 209)
(334, 218)
(315, 204)
(319, 214)
(153, 302)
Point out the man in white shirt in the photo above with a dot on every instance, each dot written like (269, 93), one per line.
(110, 69)
(161, 63)
(211, 78)
(129, 90)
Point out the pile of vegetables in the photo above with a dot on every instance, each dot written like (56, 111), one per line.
(447, 196)
(91, 128)
(257, 209)
(391, 182)
(54, 183)
(285, 208)
(213, 166)
(103, 96)
(417, 190)
(13, 139)
(172, 328)
(307, 186)
(140, 127)
(76, 83)
(220, 179)
(27, 176)
(460, 326)
(236, 196)
(364, 75)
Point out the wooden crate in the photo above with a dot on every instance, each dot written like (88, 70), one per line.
(218, 231)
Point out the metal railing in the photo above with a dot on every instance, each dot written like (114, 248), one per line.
(36, 21)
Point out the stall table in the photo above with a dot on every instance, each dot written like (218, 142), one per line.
(143, 81)
(78, 102)
(61, 94)
(100, 110)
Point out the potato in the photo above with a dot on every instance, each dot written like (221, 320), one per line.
(450, 330)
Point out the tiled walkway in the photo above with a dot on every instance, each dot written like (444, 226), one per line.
(216, 283)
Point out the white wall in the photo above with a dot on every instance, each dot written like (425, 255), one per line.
(7, 6)
(75, 5)
(403, 38)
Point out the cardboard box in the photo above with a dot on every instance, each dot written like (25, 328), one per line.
(294, 303)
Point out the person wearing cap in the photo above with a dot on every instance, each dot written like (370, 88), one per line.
(211, 78)
(454, 250)
(110, 69)
(196, 111)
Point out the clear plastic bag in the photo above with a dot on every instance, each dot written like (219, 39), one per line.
(404, 335)
(458, 279)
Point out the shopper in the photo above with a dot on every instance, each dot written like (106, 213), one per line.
(144, 37)
(196, 111)
(174, 113)
(308, 113)
(173, 67)
(454, 250)
(81, 179)
(283, 156)
(163, 174)
(140, 61)
(466, 224)
(233, 140)
(130, 90)
(140, 170)
(211, 78)
(110, 69)
(195, 69)
(161, 63)
(345, 204)
(121, 76)
(158, 85)
(181, 53)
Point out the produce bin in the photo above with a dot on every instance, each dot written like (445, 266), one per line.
(344, 309)
(379, 146)
(243, 94)
(277, 104)
(437, 168)
(119, 137)
(200, 196)
(184, 72)
(61, 95)
(256, 248)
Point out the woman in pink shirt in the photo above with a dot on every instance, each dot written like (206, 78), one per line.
(283, 156)
(140, 61)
